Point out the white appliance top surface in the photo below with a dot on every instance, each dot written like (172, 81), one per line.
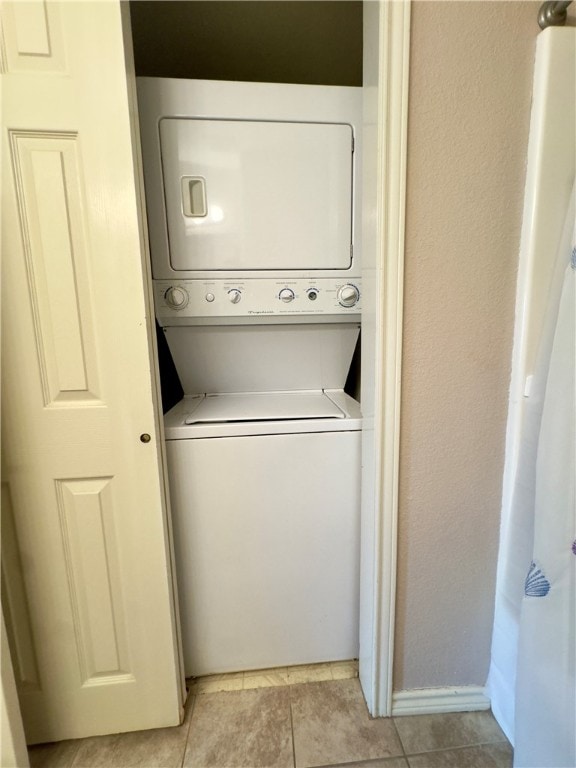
(264, 406)
(262, 413)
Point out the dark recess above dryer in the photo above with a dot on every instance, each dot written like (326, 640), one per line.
(318, 43)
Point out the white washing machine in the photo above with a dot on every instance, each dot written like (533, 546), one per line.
(252, 213)
(264, 489)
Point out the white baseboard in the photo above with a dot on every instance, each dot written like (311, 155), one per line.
(426, 701)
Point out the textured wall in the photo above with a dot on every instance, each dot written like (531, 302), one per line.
(470, 89)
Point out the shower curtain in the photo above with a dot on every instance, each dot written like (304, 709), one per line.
(545, 711)
(532, 681)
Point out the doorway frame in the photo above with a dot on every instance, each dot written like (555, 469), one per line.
(385, 86)
(385, 89)
(385, 94)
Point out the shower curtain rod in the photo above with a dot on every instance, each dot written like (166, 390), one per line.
(553, 13)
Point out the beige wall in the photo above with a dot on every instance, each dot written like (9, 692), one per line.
(470, 89)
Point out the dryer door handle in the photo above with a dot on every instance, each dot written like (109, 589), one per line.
(194, 204)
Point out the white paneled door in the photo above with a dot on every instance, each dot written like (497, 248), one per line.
(87, 588)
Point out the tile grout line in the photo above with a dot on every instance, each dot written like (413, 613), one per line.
(292, 728)
(458, 748)
(115, 747)
(76, 751)
(193, 707)
(404, 755)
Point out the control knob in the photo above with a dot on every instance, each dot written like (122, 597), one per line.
(286, 295)
(234, 295)
(348, 295)
(176, 297)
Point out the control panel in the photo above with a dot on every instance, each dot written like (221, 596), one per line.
(186, 300)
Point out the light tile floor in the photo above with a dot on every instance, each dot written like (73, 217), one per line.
(295, 717)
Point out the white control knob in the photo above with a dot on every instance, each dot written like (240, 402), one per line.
(234, 295)
(348, 295)
(286, 295)
(176, 297)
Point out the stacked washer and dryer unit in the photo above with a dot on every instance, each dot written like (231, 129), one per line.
(253, 214)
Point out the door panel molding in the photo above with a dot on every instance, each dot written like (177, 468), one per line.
(86, 509)
(15, 603)
(33, 37)
(46, 169)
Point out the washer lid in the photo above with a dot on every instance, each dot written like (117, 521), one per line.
(263, 406)
(262, 358)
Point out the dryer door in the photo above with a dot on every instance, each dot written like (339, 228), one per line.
(250, 195)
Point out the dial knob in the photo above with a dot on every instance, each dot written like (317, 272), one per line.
(348, 295)
(176, 297)
(286, 295)
(234, 295)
